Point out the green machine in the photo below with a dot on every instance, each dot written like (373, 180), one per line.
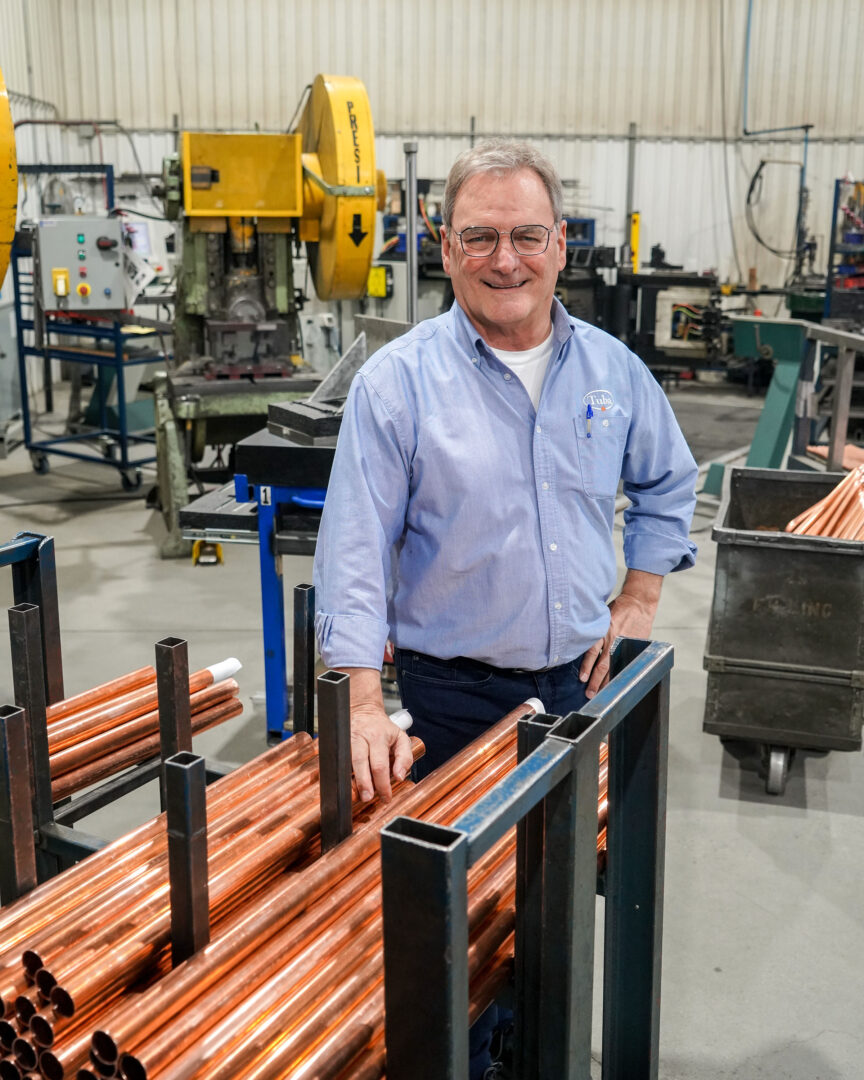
(785, 342)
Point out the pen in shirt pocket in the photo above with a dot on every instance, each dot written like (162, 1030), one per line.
(588, 415)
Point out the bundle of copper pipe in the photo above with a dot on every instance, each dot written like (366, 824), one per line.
(292, 981)
(113, 726)
(840, 515)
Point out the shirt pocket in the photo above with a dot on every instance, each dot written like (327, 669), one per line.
(601, 453)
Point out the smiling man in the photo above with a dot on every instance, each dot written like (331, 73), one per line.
(470, 509)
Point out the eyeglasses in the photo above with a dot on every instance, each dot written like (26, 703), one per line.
(479, 241)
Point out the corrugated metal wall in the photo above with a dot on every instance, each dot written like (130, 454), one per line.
(570, 73)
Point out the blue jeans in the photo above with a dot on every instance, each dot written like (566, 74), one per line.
(453, 702)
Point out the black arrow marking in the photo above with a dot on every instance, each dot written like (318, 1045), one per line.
(357, 234)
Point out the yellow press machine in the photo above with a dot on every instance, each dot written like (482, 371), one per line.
(245, 203)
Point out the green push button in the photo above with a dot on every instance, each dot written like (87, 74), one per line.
(82, 255)
(80, 237)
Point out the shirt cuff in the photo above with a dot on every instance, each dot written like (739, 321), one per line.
(351, 640)
(657, 552)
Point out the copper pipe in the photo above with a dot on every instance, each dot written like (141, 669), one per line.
(224, 805)
(104, 865)
(105, 715)
(272, 1013)
(121, 685)
(146, 926)
(8, 1035)
(25, 1009)
(116, 955)
(26, 1056)
(63, 1062)
(110, 738)
(286, 898)
(140, 750)
(328, 929)
(44, 904)
(9, 1070)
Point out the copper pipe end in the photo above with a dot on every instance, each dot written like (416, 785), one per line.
(51, 1066)
(9, 1070)
(45, 983)
(105, 1049)
(131, 1068)
(25, 1055)
(42, 1031)
(62, 1001)
(8, 1035)
(24, 1010)
(32, 961)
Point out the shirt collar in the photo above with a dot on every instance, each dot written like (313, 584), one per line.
(465, 333)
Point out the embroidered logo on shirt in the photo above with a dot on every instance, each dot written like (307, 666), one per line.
(599, 399)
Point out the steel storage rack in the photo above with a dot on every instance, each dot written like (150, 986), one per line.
(37, 838)
(785, 648)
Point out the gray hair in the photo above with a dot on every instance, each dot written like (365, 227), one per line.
(502, 156)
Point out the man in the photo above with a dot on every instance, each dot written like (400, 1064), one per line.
(470, 509)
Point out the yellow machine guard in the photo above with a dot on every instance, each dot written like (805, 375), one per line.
(8, 180)
(242, 175)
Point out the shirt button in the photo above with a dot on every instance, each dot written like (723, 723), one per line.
(473, 359)
(507, 378)
(553, 546)
(557, 605)
(605, 423)
(545, 486)
(538, 429)
(555, 659)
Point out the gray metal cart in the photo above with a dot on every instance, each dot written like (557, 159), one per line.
(785, 648)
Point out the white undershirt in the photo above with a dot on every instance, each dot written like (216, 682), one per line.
(530, 365)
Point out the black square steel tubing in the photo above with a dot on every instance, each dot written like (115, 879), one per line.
(304, 658)
(185, 783)
(424, 876)
(334, 756)
(529, 912)
(635, 838)
(28, 677)
(34, 581)
(17, 846)
(172, 685)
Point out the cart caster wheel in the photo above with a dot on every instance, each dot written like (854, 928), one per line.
(40, 463)
(779, 758)
(131, 480)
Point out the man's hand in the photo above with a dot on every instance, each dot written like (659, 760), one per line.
(379, 749)
(632, 612)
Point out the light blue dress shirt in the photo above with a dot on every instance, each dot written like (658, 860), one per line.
(460, 522)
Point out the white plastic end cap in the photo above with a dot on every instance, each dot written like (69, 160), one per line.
(402, 719)
(225, 669)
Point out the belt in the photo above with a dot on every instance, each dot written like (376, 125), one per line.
(483, 663)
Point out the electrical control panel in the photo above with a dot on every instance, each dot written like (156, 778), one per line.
(79, 264)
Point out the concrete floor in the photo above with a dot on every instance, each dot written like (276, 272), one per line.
(763, 961)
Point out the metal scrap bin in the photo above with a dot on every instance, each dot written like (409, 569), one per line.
(785, 648)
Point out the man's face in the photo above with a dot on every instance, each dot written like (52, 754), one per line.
(507, 296)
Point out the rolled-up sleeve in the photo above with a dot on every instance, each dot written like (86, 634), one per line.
(363, 516)
(659, 477)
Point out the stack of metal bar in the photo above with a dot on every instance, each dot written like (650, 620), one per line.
(840, 515)
(110, 727)
(291, 982)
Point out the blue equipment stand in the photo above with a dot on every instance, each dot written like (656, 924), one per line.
(118, 438)
(269, 499)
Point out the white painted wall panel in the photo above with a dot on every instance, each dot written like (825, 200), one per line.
(570, 73)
